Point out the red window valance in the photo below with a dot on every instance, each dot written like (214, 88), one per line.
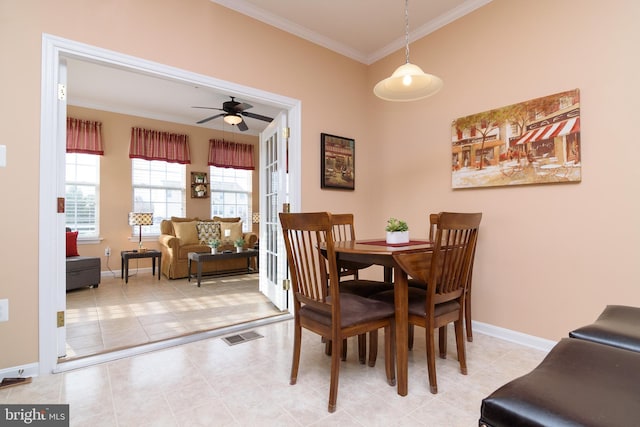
(155, 145)
(84, 136)
(233, 155)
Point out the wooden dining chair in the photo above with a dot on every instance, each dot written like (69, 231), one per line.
(433, 220)
(446, 271)
(318, 304)
(344, 230)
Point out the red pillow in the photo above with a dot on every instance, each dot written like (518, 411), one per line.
(72, 243)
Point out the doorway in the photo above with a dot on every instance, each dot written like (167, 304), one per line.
(52, 299)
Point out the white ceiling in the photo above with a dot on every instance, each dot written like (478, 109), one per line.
(364, 30)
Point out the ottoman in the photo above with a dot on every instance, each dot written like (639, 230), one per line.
(579, 383)
(617, 325)
(82, 271)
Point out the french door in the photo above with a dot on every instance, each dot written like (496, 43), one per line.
(274, 193)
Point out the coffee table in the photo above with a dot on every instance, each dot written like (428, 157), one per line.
(200, 257)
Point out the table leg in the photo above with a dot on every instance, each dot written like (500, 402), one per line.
(401, 297)
(189, 270)
(159, 264)
(122, 266)
(126, 269)
(199, 272)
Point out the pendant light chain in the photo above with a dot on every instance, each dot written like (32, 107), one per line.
(406, 30)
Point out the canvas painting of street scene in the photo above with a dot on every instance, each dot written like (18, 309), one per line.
(338, 162)
(533, 142)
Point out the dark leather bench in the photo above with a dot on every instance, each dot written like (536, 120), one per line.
(82, 271)
(617, 326)
(579, 383)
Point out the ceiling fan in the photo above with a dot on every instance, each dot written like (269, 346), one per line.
(233, 111)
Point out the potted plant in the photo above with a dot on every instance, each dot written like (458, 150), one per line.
(239, 244)
(214, 244)
(397, 231)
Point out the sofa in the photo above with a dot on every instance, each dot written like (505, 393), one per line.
(591, 378)
(179, 236)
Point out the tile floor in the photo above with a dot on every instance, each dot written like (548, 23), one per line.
(116, 315)
(209, 383)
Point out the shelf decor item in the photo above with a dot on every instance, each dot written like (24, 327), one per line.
(397, 231)
(199, 185)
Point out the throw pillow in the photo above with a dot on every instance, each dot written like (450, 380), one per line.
(230, 231)
(207, 231)
(187, 232)
(229, 219)
(72, 243)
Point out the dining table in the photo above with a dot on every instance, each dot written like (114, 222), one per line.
(378, 252)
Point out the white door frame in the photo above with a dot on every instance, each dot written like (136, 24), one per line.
(51, 267)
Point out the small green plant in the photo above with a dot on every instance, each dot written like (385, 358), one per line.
(239, 243)
(396, 225)
(214, 243)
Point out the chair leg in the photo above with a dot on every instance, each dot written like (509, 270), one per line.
(431, 359)
(335, 371)
(389, 361)
(373, 347)
(442, 341)
(343, 353)
(462, 357)
(295, 363)
(362, 348)
(410, 335)
(467, 315)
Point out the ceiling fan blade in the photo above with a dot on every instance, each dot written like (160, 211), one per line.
(257, 116)
(209, 118)
(242, 126)
(210, 108)
(243, 106)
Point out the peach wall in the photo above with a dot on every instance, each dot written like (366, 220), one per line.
(550, 256)
(115, 177)
(546, 253)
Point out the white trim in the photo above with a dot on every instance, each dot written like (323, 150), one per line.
(160, 345)
(513, 336)
(28, 370)
(50, 262)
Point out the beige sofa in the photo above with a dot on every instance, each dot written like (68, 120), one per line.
(179, 236)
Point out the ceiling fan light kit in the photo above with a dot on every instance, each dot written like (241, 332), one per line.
(232, 119)
(408, 82)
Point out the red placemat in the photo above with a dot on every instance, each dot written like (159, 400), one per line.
(395, 245)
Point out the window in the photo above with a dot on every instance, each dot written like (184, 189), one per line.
(82, 191)
(231, 194)
(158, 187)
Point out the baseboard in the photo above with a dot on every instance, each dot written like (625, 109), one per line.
(132, 271)
(28, 370)
(513, 336)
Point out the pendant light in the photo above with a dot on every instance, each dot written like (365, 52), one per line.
(408, 82)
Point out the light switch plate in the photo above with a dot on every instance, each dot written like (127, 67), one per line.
(4, 310)
(3, 156)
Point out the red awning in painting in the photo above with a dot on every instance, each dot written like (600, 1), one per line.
(551, 131)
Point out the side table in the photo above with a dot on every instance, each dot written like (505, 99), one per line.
(125, 256)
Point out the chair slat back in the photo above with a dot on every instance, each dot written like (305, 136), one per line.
(343, 228)
(448, 266)
(303, 235)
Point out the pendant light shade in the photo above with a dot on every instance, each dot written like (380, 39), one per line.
(408, 82)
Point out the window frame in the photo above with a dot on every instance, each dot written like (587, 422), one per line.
(220, 207)
(73, 161)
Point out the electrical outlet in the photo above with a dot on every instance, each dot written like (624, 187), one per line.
(107, 251)
(4, 310)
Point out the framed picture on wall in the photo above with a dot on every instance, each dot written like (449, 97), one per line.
(337, 155)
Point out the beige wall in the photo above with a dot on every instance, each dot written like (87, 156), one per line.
(115, 176)
(547, 253)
